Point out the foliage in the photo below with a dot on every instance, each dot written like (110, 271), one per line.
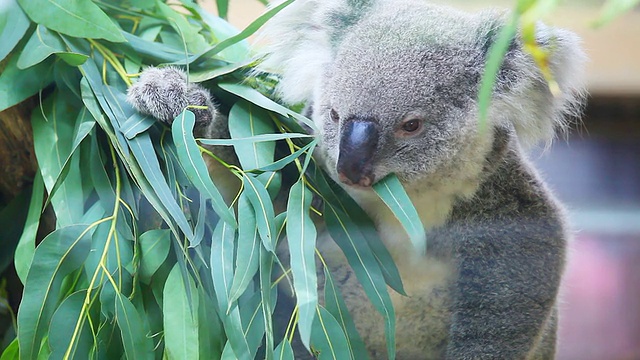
(146, 259)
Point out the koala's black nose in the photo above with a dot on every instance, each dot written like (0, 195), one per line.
(358, 143)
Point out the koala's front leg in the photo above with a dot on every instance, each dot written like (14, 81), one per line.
(164, 93)
(505, 294)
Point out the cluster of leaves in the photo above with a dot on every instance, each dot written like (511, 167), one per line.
(146, 259)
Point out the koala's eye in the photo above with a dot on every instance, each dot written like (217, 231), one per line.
(412, 125)
(334, 116)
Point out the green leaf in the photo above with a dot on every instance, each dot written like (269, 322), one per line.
(335, 305)
(180, 317)
(364, 229)
(136, 124)
(82, 19)
(12, 351)
(30, 80)
(194, 41)
(154, 249)
(250, 140)
(44, 43)
(284, 351)
(223, 8)
(280, 164)
(268, 296)
(60, 253)
(494, 61)
(195, 167)
(72, 337)
(27, 243)
(13, 25)
(345, 233)
(614, 8)
(254, 96)
(263, 209)
(327, 338)
(108, 342)
(150, 50)
(301, 237)
(211, 333)
(136, 343)
(247, 120)
(54, 132)
(392, 193)
(248, 31)
(208, 74)
(221, 263)
(248, 254)
(142, 149)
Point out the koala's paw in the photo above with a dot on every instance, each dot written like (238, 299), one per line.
(164, 93)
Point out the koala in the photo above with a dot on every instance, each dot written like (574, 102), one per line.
(392, 87)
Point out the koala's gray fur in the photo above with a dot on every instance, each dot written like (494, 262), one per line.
(488, 286)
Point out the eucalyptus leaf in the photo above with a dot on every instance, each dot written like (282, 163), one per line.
(154, 248)
(72, 337)
(497, 52)
(263, 209)
(17, 85)
(392, 193)
(284, 351)
(248, 31)
(61, 252)
(193, 40)
(364, 228)
(53, 133)
(246, 120)
(13, 25)
(327, 338)
(255, 97)
(345, 233)
(301, 237)
(27, 243)
(223, 8)
(248, 253)
(44, 43)
(614, 8)
(256, 139)
(194, 166)
(11, 352)
(136, 124)
(82, 19)
(136, 343)
(180, 318)
(221, 263)
(334, 303)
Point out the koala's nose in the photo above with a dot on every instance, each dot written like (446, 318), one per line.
(358, 143)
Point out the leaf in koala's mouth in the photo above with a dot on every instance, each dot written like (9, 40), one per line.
(392, 193)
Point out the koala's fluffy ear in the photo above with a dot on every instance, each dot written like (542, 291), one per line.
(522, 95)
(301, 42)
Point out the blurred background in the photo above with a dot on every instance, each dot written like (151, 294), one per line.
(595, 171)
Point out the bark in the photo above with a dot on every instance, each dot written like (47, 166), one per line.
(17, 157)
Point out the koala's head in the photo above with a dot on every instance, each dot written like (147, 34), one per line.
(394, 85)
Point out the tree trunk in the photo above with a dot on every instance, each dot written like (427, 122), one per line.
(17, 157)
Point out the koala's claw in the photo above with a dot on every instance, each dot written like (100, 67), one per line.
(164, 93)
